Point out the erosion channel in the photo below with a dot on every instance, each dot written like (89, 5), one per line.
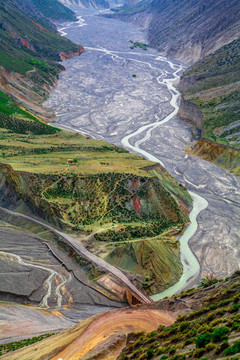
(127, 97)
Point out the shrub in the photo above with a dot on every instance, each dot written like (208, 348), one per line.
(188, 342)
(150, 353)
(198, 353)
(184, 325)
(210, 346)
(236, 326)
(234, 308)
(159, 351)
(222, 347)
(136, 352)
(172, 350)
(220, 334)
(234, 349)
(208, 281)
(202, 340)
(217, 321)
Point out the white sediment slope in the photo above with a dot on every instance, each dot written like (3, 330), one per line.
(53, 275)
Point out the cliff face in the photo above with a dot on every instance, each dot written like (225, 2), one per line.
(222, 156)
(64, 56)
(191, 113)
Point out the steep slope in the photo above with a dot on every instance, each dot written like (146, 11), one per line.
(192, 29)
(28, 66)
(185, 29)
(210, 102)
(45, 10)
(207, 327)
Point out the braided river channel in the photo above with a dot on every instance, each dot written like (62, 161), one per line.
(128, 98)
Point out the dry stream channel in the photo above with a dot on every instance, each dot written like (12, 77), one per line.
(127, 97)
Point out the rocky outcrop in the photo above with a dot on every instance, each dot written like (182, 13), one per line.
(71, 54)
(191, 113)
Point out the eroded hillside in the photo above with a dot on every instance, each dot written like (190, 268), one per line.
(105, 194)
(210, 102)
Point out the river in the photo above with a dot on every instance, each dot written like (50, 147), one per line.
(127, 97)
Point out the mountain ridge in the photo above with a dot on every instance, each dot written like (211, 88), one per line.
(185, 29)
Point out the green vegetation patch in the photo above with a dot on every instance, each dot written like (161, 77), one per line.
(17, 119)
(24, 42)
(137, 44)
(212, 332)
(220, 112)
(5, 348)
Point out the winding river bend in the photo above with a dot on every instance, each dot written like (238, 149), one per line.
(128, 98)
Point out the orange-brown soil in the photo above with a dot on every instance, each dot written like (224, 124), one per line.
(102, 336)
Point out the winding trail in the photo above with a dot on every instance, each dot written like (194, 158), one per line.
(79, 248)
